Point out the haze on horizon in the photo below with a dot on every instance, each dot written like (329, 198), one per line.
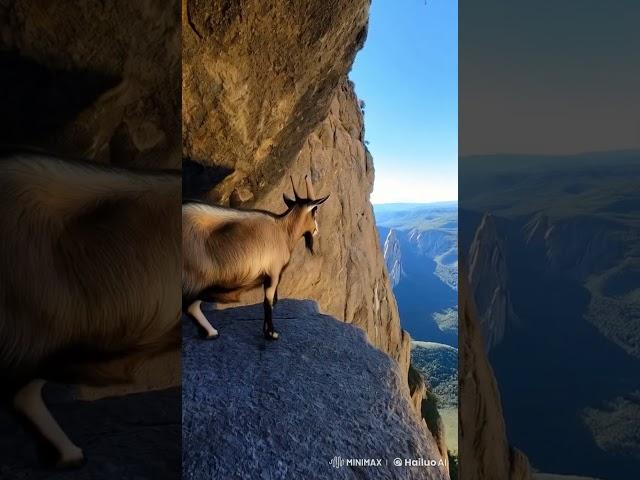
(407, 75)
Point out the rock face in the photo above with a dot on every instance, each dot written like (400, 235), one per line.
(488, 279)
(289, 407)
(393, 257)
(258, 77)
(484, 450)
(93, 80)
(265, 96)
(577, 246)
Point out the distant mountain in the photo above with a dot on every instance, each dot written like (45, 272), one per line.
(420, 243)
(393, 257)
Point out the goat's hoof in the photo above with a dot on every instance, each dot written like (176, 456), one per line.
(272, 335)
(72, 459)
(212, 336)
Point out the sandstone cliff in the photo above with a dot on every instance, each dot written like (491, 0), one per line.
(265, 96)
(95, 80)
(290, 407)
(484, 449)
(393, 257)
(489, 283)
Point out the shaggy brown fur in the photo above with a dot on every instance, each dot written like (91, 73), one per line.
(228, 251)
(89, 269)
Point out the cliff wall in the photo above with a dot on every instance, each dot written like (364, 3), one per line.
(484, 448)
(93, 80)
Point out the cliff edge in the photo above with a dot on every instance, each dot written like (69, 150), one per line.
(259, 409)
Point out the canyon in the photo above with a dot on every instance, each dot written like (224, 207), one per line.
(552, 246)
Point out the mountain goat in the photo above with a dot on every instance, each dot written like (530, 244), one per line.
(89, 272)
(227, 251)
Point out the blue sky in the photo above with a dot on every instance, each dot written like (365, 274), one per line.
(407, 75)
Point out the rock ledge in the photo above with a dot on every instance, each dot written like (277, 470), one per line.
(259, 409)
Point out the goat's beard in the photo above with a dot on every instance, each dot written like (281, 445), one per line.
(308, 241)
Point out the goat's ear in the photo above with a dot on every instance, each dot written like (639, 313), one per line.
(317, 202)
(290, 203)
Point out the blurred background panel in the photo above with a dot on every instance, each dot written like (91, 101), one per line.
(549, 233)
(98, 82)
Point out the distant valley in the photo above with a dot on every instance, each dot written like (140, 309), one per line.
(553, 258)
(438, 364)
(420, 243)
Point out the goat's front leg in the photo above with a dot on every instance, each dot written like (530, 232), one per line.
(195, 311)
(28, 401)
(270, 288)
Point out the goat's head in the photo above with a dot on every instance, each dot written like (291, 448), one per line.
(303, 212)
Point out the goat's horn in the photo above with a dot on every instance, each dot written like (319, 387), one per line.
(295, 193)
(311, 195)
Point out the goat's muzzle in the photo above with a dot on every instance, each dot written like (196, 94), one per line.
(308, 241)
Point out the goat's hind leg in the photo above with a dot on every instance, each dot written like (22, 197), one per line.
(195, 312)
(28, 401)
(275, 290)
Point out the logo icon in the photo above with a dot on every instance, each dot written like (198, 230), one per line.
(336, 462)
(397, 462)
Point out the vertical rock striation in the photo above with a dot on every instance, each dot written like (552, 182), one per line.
(489, 280)
(393, 257)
